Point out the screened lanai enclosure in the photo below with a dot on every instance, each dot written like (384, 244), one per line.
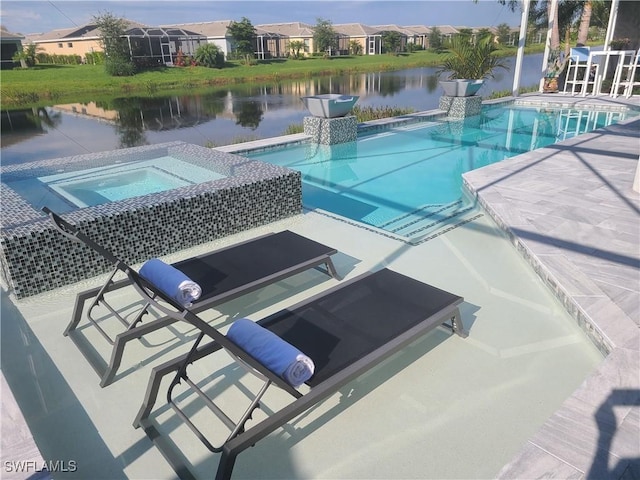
(151, 46)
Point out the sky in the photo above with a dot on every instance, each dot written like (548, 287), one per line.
(37, 16)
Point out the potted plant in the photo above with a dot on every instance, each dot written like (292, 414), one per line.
(554, 68)
(469, 65)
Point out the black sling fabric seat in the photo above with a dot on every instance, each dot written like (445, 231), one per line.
(224, 272)
(346, 331)
(223, 275)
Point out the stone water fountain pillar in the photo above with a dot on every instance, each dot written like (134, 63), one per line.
(460, 99)
(460, 107)
(329, 123)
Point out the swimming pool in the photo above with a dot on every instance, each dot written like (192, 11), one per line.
(408, 180)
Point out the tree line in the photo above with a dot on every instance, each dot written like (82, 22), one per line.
(118, 62)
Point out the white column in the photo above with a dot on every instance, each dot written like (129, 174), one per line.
(521, 43)
(547, 47)
(611, 27)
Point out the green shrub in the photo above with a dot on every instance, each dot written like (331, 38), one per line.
(295, 128)
(209, 55)
(365, 114)
(152, 87)
(94, 58)
(119, 67)
(508, 93)
(58, 59)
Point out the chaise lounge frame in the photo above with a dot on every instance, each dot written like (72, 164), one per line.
(445, 308)
(315, 255)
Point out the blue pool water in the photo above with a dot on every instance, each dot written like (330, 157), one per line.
(408, 180)
(69, 190)
(102, 188)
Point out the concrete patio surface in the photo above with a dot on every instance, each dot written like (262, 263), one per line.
(570, 210)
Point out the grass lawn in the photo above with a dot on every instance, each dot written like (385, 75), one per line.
(43, 84)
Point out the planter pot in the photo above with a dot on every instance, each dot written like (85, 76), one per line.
(550, 85)
(330, 105)
(461, 88)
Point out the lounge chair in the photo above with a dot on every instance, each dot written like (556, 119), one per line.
(346, 331)
(223, 275)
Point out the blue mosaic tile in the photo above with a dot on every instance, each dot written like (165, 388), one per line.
(331, 131)
(460, 107)
(34, 257)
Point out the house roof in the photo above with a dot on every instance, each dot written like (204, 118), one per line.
(4, 35)
(394, 28)
(291, 29)
(355, 29)
(447, 29)
(474, 29)
(217, 29)
(265, 33)
(161, 32)
(86, 31)
(419, 29)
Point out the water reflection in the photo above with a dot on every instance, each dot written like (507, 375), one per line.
(19, 124)
(217, 117)
(248, 114)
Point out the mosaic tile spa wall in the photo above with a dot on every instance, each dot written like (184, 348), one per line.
(36, 258)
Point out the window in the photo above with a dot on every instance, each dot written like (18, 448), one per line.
(70, 45)
(59, 45)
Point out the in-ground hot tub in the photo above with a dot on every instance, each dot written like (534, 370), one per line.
(139, 203)
(119, 181)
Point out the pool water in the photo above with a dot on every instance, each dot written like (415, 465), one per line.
(408, 180)
(68, 190)
(117, 186)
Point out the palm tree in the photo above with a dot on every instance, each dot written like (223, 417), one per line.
(585, 21)
(512, 4)
(468, 61)
(296, 46)
(27, 56)
(555, 28)
(355, 48)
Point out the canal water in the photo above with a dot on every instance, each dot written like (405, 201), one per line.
(223, 116)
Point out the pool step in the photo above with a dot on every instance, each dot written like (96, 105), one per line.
(428, 219)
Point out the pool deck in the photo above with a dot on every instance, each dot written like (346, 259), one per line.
(569, 209)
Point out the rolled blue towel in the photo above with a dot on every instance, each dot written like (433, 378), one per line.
(171, 281)
(273, 352)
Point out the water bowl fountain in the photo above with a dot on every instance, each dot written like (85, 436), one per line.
(330, 105)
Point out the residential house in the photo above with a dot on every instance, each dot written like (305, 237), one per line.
(215, 33)
(150, 46)
(447, 32)
(10, 44)
(289, 32)
(369, 38)
(71, 41)
(406, 35)
(420, 35)
(271, 44)
(147, 45)
(476, 32)
(285, 33)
